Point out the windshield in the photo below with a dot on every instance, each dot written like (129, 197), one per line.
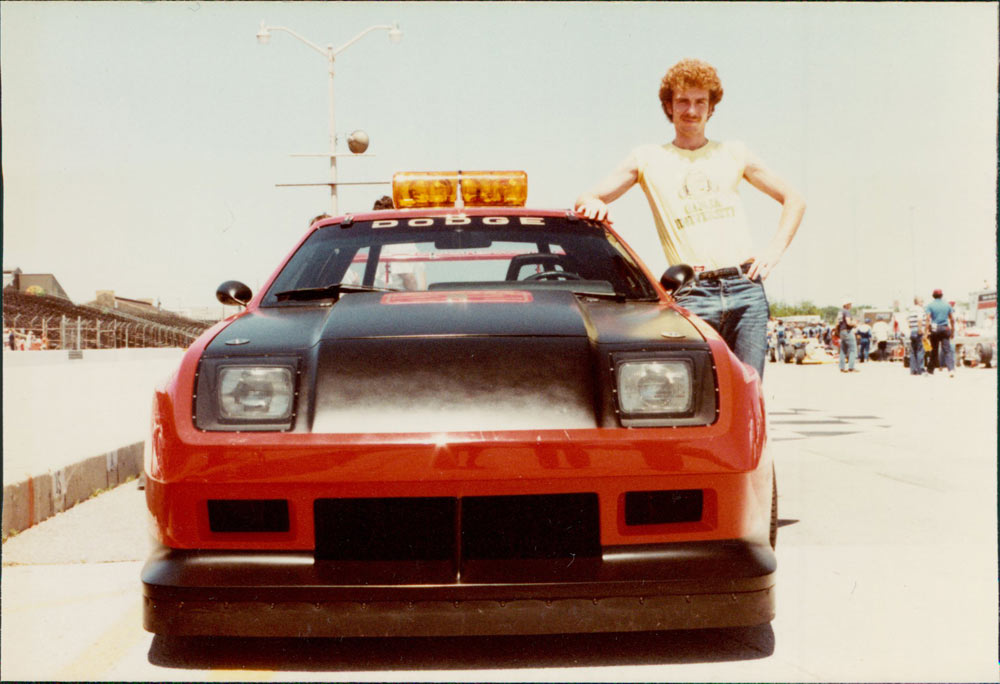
(460, 252)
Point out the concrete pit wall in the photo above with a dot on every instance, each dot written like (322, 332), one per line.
(74, 425)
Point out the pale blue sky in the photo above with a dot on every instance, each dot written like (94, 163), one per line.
(142, 141)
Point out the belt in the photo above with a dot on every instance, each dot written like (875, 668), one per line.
(727, 272)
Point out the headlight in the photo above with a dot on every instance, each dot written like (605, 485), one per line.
(250, 393)
(257, 393)
(655, 387)
(668, 388)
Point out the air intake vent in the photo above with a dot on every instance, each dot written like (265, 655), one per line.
(658, 508)
(250, 515)
(531, 526)
(385, 529)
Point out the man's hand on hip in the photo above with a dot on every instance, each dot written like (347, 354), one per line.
(761, 266)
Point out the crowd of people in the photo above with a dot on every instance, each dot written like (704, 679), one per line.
(926, 331)
(21, 340)
(931, 329)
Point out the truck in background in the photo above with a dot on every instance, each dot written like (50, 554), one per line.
(975, 339)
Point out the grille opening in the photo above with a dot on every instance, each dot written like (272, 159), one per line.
(398, 529)
(248, 515)
(661, 507)
(530, 526)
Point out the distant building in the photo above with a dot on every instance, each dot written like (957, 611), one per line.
(33, 283)
(106, 299)
(210, 314)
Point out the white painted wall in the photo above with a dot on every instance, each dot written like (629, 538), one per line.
(57, 411)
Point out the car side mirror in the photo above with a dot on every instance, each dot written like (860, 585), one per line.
(233, 293)
(675, 276)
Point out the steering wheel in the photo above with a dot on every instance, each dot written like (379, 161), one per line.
(555, 275)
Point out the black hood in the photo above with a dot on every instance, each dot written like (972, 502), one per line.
(446, 361)
(543, 313)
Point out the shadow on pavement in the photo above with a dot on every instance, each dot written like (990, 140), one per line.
(461, 653)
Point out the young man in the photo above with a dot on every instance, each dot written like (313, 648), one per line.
(691, 184)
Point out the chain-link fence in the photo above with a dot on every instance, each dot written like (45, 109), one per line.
(78, 332)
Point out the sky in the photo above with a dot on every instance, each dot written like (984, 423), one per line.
(143, 142)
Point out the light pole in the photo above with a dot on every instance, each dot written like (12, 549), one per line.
(395, 35)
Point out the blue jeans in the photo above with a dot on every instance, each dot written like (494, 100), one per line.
(737, 308)
(848, 349)
(941, 343)
(916, 354)
(863, 345)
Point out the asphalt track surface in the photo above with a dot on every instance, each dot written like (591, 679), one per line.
(887, 558)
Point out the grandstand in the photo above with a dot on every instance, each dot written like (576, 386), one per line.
(70, 326)
(144, 309)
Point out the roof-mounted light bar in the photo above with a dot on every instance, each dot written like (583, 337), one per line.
(423, 189)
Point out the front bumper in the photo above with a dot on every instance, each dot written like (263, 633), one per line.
(683, 585)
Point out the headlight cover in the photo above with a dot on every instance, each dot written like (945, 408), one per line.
(255, 392)
(246, 394)
(656, 387)
(669, 388)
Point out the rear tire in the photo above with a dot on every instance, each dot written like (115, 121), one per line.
(986, 356)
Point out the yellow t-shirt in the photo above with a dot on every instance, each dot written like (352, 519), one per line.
(695, 202)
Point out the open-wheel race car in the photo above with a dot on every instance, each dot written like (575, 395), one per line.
(458, 417)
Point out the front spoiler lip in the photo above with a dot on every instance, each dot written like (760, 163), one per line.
(683, 585)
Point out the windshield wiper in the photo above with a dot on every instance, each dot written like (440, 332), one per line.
(327, 291)
(616, 296)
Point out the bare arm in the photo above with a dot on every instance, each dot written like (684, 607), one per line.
(793, 206)
(594, 203)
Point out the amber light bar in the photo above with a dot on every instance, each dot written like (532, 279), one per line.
(416, 189)
(423, 189)
(494, 188)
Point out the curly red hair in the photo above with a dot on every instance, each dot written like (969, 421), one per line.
(690, 73)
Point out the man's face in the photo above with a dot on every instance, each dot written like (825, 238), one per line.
(690, 109)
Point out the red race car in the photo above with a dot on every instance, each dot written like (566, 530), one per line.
(459, 417)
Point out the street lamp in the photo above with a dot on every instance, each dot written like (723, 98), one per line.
(264, 37)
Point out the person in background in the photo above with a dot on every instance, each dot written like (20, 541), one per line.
(780, 338)
(848, 345)
(864, 333)
(382, 203)
(692, 185)
(916, 319)
(941, 319)
(880, 333)
(772, 342)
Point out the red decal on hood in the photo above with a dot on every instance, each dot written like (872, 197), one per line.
(459, 297)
